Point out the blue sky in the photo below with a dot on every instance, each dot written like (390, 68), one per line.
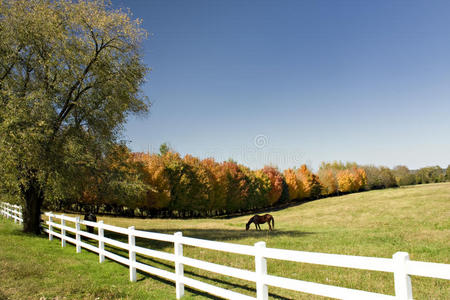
(293, 82)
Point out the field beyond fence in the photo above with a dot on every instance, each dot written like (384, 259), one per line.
(399, 265)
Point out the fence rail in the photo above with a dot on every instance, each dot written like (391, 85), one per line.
(399, 264)
(11, 211)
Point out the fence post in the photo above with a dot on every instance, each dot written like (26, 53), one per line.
(63, 231)
(14, 214)
(262, 292)
(101, 243)
(402, 281)
(132, 253)
(50, 227)
(20, 215)
(77, 234)
(179, 270)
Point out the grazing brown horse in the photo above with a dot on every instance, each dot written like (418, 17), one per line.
(257, 219)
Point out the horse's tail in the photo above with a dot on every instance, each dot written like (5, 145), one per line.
(273, 223)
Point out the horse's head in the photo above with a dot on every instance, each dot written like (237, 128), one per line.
(249, 222)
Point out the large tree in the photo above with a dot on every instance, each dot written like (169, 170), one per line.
(70, 74)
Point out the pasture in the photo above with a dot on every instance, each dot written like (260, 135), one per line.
(414, 219)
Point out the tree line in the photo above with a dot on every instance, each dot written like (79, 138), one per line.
(168, 185)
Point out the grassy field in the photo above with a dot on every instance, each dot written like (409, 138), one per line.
(414, 219)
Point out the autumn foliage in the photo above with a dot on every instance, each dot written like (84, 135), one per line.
(311, 186)
(168, 185)
(187, 186)
(276, 183)
(294, 184)
(344, 178)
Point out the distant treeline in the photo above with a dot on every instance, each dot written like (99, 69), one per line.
(168, 185)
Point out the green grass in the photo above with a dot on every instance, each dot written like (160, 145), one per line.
(414, 219)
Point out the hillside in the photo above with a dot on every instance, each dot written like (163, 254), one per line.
(415, 219)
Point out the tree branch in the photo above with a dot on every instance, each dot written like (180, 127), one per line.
(26, 80)
(7, 71)
(63, 113)
(72, 104)
(68, 104)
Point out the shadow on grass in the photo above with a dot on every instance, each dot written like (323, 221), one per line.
(172, 284)
(225, 235)
(204, 294)
(208, 234)
(169, 266)
(17, 230)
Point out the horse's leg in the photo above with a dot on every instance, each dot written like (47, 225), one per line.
(256, 226)
(270, 227)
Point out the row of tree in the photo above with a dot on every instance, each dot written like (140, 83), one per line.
(168, 185)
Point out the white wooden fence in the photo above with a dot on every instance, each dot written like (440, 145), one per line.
(11, 211)
(399, 265)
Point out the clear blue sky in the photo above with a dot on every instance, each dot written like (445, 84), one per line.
(293, 82)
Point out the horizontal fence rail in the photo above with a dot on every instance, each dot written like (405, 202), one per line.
(399, 264)
(11, 211)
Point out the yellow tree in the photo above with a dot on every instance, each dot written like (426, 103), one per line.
(361, 178)
(276, 181)
(346, 181)
(236, 185)
(311, 186)
(294, 184)
(158, 195)
(351, 180)
(329, 181)
(201, 185)
(217, 179)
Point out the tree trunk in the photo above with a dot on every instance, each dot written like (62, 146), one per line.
(34, 198)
